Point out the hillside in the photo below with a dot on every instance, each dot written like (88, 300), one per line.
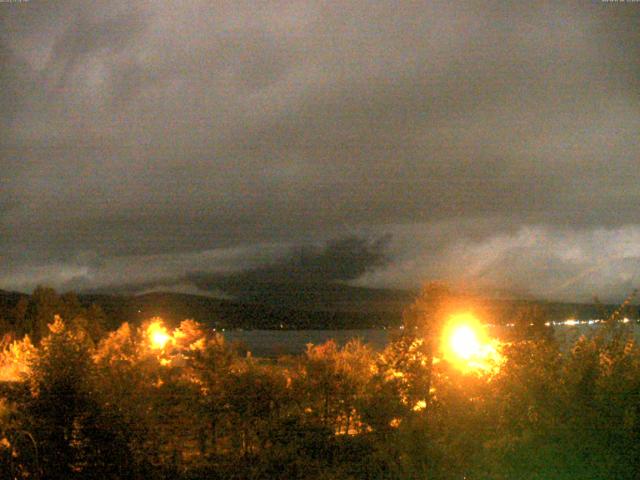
(365, 308)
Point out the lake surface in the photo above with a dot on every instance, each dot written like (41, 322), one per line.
(271, 343)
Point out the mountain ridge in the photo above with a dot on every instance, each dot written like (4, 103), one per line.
(373, 308)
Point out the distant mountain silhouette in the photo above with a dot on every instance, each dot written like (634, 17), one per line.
(224, 313)
(327, 306)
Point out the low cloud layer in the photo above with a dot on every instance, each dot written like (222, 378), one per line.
(497, 144)
(301, 269)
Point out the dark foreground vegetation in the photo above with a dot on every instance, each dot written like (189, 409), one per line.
(159, 401)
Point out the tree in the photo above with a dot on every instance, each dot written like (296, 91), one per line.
(44, 305)
(19, 317)
(329, 380)
(62, 402)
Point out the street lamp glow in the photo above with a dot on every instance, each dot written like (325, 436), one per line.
(466, 345)
(464, 342)
(158, 335)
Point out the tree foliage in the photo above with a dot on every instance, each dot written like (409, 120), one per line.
(161, 401)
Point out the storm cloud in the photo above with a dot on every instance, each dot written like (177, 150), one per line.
(298, 272)
(182, 138)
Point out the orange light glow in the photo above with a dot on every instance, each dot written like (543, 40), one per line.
(467, 346)
(464, 342)
(16, 359)
(158, 335)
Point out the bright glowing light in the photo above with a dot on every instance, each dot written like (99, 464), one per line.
(420, 405)
(464, 342)
(158, 335)
(467, 346)
(16, 360)
(159, 339)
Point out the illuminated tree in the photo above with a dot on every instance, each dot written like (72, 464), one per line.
(422, 322)
(330, 379)
(121, 381)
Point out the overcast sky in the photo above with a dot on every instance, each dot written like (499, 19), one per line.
(491, 144)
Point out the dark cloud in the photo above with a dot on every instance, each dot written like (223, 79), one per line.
(137, 130)
(306, 275)
(339, 261)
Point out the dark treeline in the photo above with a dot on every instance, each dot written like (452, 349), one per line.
(370, 308)
(22, 314)
(151, 401)
(214, 312)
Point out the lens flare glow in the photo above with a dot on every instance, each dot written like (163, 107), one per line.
(158, 335)
(466, 345)
(464, 342)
